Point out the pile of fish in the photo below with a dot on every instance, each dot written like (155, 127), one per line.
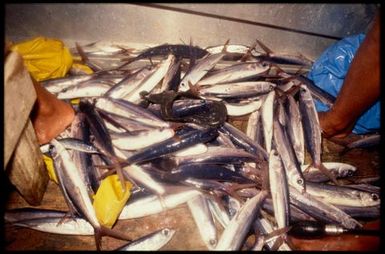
(161, 119)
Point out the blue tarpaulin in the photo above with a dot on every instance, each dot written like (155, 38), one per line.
(328, 73)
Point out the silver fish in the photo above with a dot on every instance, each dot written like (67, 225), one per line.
(217, 155)
(200, 212)
(172, 77)
(129, 83)
(58, 225)
(129, 110)
(252, 129)
(235, 232)
(199, 70)
(77, 190)
(151, 81)
(219, 213)
(365, 212)
(285, 149)
(141, 139)
(154, 204)
(56, 85)
(241, 140)
(235, 72)
(321, 210)
(78, 145)
(368, 141)
(80, 130)
(28, 213)
(150, 242)
(312, 130)
(241, 109)
(294, 129)
(199, 148)
(343, 195)
(279, 190)
(236, 89)
(86, 89)
(139, 174)
(265, 228)
(338, 169)
(267, 115)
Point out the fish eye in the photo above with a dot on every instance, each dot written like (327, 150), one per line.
(166, 231)
(300, 182)
(374, 197)
(213, 242)
(350, 173)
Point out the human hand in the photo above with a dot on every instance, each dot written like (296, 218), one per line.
(332, 126)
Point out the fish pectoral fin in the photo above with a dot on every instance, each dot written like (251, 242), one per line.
(69, 215)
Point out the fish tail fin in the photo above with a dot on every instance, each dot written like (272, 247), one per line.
(248, 52)
(279, 234)
(127, 61)
(326, 172)
(126, 51)
(277, 244)
(224, 50)
(275, 70)
(119, 171)
(85, 58)
(194, 90)
(98, 239)
(104, 231)
(264, 47)
(231, 190)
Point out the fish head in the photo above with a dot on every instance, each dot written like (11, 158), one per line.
(299, 184)
(368, 198)
(372, 199)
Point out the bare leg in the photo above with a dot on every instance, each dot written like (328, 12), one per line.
(50, 116)
(360, 90)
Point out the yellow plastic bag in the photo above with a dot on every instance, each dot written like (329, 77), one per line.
(110, 199)
(82, 68)
(50, 168)
(45, 58)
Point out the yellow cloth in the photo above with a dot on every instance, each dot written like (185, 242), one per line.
(45, 58)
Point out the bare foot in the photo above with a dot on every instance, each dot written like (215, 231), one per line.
(334, 127)
(50, 116)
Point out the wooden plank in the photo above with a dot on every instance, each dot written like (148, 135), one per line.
(26, 169)
(19, 97)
